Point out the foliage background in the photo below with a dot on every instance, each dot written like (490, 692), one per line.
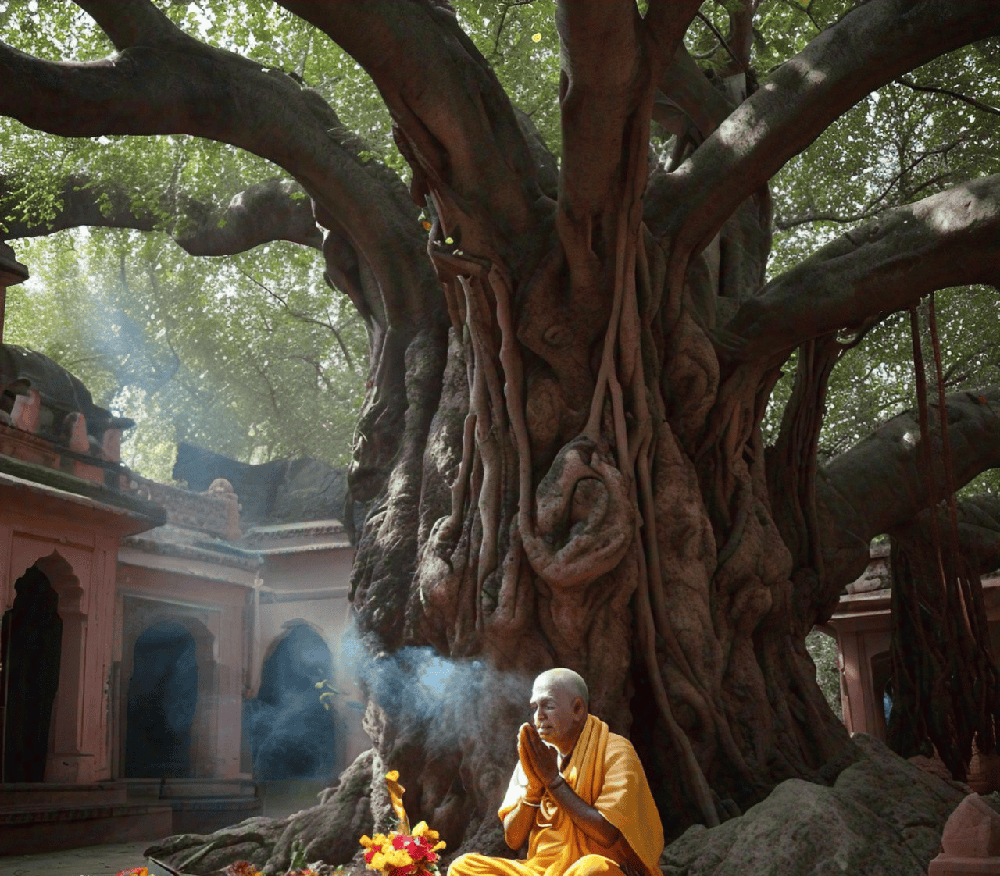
(256, 357)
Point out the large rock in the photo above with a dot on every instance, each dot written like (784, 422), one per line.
(280, 491)
(882, 817)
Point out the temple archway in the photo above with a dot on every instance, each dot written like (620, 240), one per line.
(162, 701)
(31, 653)
(292, 735)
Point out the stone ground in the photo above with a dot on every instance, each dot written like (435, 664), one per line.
(90, 861)
(111, 859)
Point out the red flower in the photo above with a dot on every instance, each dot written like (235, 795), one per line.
(423, 850)
(371, 853)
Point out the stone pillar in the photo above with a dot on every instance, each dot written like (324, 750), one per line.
(204, 751)
(68, 762)
(12, 272)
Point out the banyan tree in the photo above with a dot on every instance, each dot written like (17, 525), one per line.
(573, 348)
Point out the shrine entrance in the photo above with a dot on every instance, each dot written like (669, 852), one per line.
(30, 651)
(292, 735)
(162, 701)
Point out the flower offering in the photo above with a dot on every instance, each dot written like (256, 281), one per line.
(402, 852)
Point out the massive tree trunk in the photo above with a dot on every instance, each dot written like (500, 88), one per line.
(561, 443)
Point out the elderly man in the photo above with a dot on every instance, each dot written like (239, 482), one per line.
(578, 796)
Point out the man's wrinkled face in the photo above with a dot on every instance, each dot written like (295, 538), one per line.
(558, 715)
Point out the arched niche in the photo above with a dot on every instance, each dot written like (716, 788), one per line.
(30, 657)
(162, 700)
(76, 716)
(65, 568)
(292, 735)
(143, 615)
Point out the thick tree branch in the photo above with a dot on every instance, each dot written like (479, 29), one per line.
(880, 484)
(275, 210)
(886, 265)
(873, 44)
(456, 126)
(978, 531)
(665, 24)
(601, 82)
(375, 249)
(130, 23)
(683, 85)
(198, 90)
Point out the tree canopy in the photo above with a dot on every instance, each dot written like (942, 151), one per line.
(584, 247)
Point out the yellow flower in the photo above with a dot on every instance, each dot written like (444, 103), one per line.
(398, 858)
(392, 775)
(423, 830)
(536, 37)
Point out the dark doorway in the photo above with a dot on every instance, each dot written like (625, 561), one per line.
(162, 698)
(31, 648)
(292, 735)
(881, 666)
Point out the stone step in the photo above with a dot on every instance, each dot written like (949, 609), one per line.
(216, 788)
(34, 794)
(207, 814)
(29, 830)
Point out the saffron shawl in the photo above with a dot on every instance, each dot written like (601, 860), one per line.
(605, 773)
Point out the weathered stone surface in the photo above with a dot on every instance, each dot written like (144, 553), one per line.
(60, 393)
(911, 801)
(882, 817)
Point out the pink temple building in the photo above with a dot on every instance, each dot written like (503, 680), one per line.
(149, 639)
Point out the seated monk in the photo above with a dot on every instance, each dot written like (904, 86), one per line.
(578, 796)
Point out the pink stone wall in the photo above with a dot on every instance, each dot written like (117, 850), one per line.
(214, 612)
(75, 545)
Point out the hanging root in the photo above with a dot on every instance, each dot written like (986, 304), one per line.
(945, 685)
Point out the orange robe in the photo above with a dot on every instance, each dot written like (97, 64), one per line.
(605, 772)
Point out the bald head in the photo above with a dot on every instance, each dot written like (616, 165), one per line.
(566, 680)
(559, 704)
